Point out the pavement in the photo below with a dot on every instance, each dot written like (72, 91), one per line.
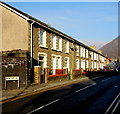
(8, 94)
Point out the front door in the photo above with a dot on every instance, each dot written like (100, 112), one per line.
(41, 64)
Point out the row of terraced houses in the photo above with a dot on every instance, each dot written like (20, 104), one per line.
(24, 36)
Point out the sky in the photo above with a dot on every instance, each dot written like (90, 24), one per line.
(93, 23)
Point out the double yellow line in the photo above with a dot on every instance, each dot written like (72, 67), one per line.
(41, 91)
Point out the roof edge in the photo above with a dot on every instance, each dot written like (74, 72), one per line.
(30, 18)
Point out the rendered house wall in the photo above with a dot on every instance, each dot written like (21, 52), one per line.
(14, 31)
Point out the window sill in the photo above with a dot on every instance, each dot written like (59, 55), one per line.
(67, 52)
(59, 50)
(56, 50)
(53, 49)
(43, 47)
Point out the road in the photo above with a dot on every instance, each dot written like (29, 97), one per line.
(98, 95)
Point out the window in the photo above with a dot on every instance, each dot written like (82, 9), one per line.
(83, 64)
(56, 62)
(95, 56)
(66, 62)
(42, 38)
(42, 61)
(77, 64)
(56, 42)
(87, 64)
(92, 65)
(66, 46)
(59, 43)
(77, 50)
(92, 57)
(95, 65)
(53, 41)
(82, 52)
(86, 53)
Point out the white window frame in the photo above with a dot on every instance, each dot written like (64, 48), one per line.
(54, 66)
(68, 63)
(87, 64)
(83, 64)
(92, 64)
(77, 64)
(77, 51)
(92, 55)
(95, 65)
(43, 38)
(60, 43)
(66, 46)
(53, 41)
(44, 60)
(95, 56)
(82, 52)
(86, 53)
(59, 61)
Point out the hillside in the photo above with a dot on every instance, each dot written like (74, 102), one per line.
(112, 48)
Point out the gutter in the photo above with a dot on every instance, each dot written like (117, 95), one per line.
(31, 45)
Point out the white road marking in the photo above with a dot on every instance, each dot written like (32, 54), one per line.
(105, 79)
(115, 106)
(112, 104)
(85, 87)
(115, 86)
(43, 106)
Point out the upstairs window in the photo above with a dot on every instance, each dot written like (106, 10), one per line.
(59, 43)
(86, 53)
(82, 51)
(66, 46)
(53, 41)
(95, 56)
(92, 55)
(77, 50)
(56, 42)
(42, 38)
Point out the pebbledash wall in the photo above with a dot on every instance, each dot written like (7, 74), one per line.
(45, 46)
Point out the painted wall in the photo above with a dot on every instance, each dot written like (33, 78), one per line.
(14, 31)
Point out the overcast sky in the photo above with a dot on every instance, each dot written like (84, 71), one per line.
(93, 23)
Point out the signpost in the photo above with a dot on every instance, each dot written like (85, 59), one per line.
(12, 78)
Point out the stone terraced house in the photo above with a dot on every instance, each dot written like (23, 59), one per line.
(27, 37)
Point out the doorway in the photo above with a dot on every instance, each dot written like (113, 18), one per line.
(42, 64)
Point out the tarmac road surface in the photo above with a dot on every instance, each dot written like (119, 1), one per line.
(100, 95)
